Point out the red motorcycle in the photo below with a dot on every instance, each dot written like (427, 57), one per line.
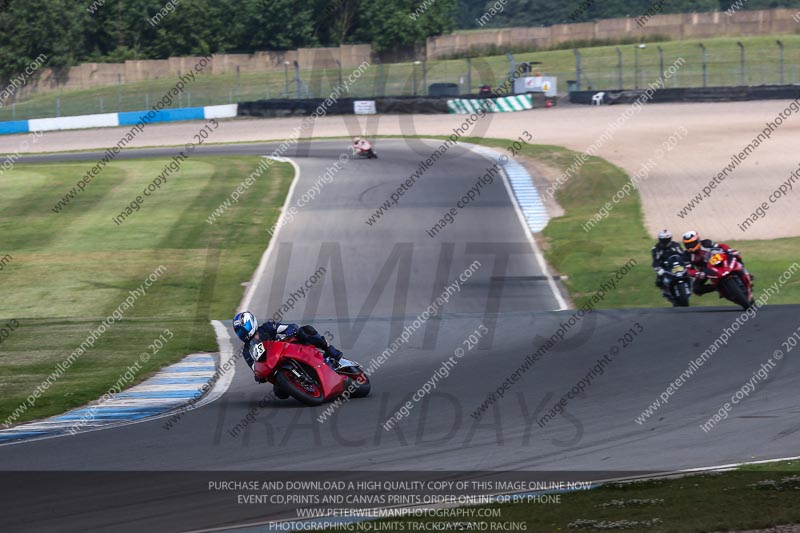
(300, 371)
(726, 274)
(363, 148)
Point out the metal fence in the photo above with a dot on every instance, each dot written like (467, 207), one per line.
(375, 80)
(626, 67)
(637, 66)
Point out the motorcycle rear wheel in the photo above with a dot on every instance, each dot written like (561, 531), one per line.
(307, 391)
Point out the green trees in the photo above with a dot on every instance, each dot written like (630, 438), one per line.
(758, 4)
(269, 24)
(75, 31)
(394, 24)
(547, 12)
(34, 27)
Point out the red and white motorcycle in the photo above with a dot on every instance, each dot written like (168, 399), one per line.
(363, 148)
(300, 371)
(727, 275)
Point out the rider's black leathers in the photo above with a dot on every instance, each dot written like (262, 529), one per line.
(660, 252)
(276, 331)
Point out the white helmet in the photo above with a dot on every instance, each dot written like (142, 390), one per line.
(665, 236)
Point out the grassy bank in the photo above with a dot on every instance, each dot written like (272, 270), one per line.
(68, 271)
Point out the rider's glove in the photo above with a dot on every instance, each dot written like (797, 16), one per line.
(700, 275)
(271, 326)
(734, 253)
(660, 271)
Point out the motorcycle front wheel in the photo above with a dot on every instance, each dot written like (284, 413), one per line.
(305, 389)
(736, 292)
(682, 297)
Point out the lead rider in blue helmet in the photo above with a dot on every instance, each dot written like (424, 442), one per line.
(249, 332)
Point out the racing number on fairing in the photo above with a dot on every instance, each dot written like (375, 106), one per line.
(258, 351)
(716, 259)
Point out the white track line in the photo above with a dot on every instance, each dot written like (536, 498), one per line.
(226, 359)
(562, 304)
(262, 266)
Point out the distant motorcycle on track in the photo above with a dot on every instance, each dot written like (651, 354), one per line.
(363, 148)
(300, 371)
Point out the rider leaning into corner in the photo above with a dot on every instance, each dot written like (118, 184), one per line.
(664, 248)
(360, 144)
(698, 252)
(249, 332)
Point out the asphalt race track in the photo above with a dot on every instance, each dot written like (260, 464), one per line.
(378, 280)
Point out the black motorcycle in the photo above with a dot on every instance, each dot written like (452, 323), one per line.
(676, 283)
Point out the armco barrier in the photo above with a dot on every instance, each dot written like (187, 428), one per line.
(693, 94)
(111, 120)
(166, 115)
(272, 109)
(505, 104)
(106, 120)
(16, 126)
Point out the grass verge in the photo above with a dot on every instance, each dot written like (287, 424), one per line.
(68, 271)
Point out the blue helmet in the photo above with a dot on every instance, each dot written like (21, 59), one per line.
(245, 325)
